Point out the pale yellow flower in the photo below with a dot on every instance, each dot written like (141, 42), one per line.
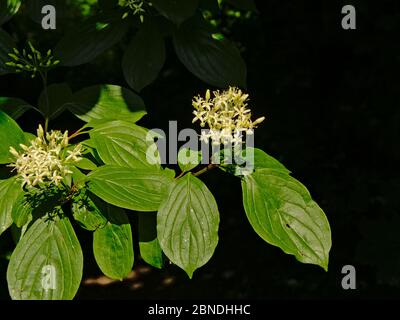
(225, 114)
(44, 161)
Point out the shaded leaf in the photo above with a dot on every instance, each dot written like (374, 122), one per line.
(144, 57)
(8, 8)
(106, 103)
(6, 46)
(14, 107)
(176, 10)
(216, 62)
(112, 245)
(92, 38)
(248, 5)
(34, 9)
(22, 211)
(150, 249)
(10, 189)
(89, 212)
(59, 95)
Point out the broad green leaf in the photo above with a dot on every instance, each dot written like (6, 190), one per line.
(58, 95)
(150, 249)
(10, 189)
(88, 211)
(282, 212)
(144, 57)
(6, 46)
(107, 103)
(258, 159)
(112, 245)
(8, 8)
(249, 160)
(29, 136)
(135, 189)
(17, 233)
(47, 262)
(22, 211)
(14, 107)
(11, 135)
(124, 144)
(216, 62)
(176, 10)
(188, 159)
(86, 164)
(92, 38)
(88, 143)
(248, 5)
(78, 177)
(34, 204)
(187, 224)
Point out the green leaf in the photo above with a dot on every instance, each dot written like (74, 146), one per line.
(86, 164)
(88, 211)
(34, 204)
(251, 159)
(47, 262)
(176, 10)
(248, 5)
(187, 224)
(59, 95)
(22, 211)
(112, 245)
(6, 46)
(11, 135)
(78, 177)
(134, 189)
(150, 249)
(14, 107)
(8, 8)
(216, 62)
(107, 103)
(10, 189)
(92, 38)
(144, 57)
(282, 212)
(188, 159)
(29, 136)
(124, 144)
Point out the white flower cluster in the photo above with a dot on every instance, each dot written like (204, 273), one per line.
(46, 161)
(226, 115)
(136, 6)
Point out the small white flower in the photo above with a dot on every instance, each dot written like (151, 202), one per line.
(226, 114)
(205, 137)
(43, 162)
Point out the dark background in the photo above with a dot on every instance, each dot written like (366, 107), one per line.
(331, 99)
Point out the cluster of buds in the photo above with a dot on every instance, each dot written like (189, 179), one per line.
(137, 8)
(31, 62)
(46, 161)
(226, 115)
